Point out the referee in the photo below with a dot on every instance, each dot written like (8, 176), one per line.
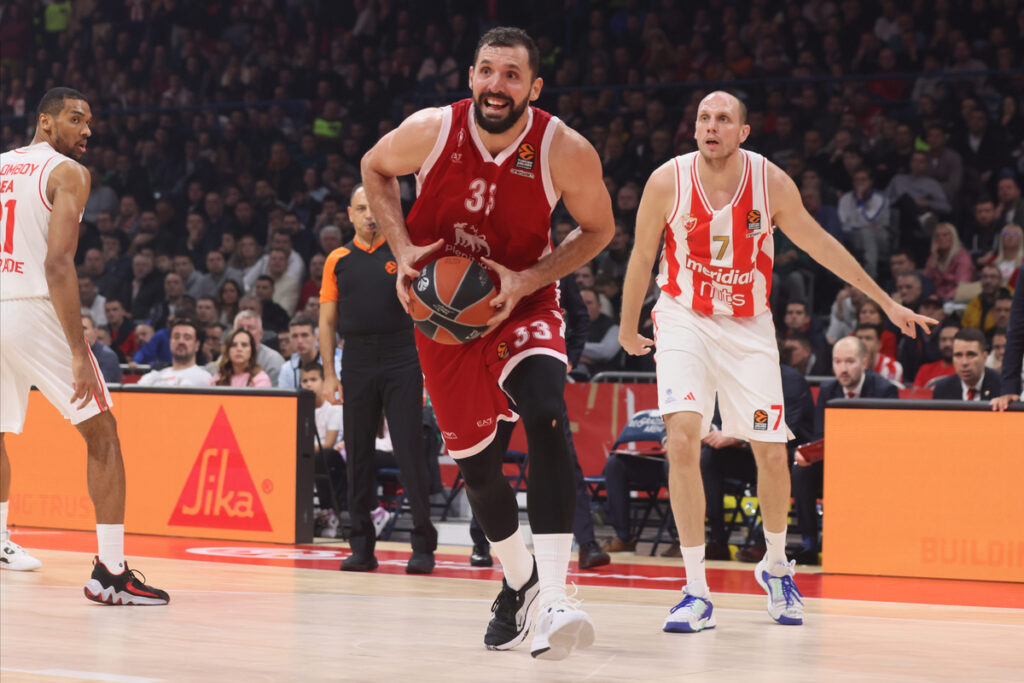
(381, 373)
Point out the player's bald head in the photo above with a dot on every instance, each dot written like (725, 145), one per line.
(729, 100)
(852, 346)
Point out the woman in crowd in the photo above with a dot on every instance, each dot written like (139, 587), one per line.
(949, 263)
(1009, 256)
(230, 293)
(237, 365)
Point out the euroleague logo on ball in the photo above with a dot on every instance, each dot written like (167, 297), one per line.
(422, 284)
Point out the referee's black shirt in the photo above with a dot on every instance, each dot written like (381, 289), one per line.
(361, 280)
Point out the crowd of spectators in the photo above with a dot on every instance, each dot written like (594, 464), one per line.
(227, 136)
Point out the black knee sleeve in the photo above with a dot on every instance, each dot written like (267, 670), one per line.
(537, 386)
(490, 496)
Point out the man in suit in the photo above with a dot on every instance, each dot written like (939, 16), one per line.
(1013, 356)
(853, 380)
(972, 381)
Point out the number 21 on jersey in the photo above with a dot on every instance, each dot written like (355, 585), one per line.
(7, 221)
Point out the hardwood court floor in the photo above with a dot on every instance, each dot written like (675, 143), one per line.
(256, 612)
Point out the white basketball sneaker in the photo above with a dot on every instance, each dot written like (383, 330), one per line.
(691, 615)
(13, 556)
(561, 628)
(784, 600)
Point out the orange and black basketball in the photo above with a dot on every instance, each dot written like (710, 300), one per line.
(451, 300)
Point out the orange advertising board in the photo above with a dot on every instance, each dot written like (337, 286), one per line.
(924, 493)
(200, 463)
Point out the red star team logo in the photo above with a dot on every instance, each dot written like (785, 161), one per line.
(689, 222)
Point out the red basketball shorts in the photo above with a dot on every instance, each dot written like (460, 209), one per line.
(465, 381)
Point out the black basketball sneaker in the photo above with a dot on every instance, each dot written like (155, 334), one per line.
(513, 614)
(127, 588)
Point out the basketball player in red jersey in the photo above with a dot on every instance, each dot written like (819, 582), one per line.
(43, 190)
(714, 332)
(489, 170)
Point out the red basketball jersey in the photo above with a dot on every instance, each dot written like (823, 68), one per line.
(497, 207)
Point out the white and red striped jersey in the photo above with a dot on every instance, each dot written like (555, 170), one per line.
(719, 262)
(25, 219)
(889, 368)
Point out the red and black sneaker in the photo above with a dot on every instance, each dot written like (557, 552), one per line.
(127, 588)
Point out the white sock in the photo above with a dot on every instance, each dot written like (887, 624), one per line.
(552, 552)
(515, 558)
(110, 538)
(693, 560)
(3, 518)
(776, 542)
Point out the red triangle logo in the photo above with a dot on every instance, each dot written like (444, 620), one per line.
(219, 492)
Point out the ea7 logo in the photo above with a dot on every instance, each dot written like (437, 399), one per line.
(219, 492)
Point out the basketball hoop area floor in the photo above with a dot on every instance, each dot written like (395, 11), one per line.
(259, 612)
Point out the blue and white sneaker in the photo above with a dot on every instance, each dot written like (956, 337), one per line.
(691, 615)
(784, 600)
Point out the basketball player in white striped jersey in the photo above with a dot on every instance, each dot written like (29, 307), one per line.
(714, 334)
(43, 190)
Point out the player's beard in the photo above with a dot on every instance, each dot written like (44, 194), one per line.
(68, 149)
(499, 126)
(182, 358)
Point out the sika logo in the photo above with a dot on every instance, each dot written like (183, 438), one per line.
(219, 492)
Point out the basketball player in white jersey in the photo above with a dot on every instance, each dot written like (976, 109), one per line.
(714, 332)
(43, 190)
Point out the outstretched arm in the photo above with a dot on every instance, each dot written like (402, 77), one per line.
(655, 205)
(400, 152)
(68, 189)
(788, 213)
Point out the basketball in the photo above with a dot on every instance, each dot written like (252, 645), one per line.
(451, 300)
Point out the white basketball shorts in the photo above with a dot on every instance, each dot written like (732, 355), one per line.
(34, 351)
(702, 356)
